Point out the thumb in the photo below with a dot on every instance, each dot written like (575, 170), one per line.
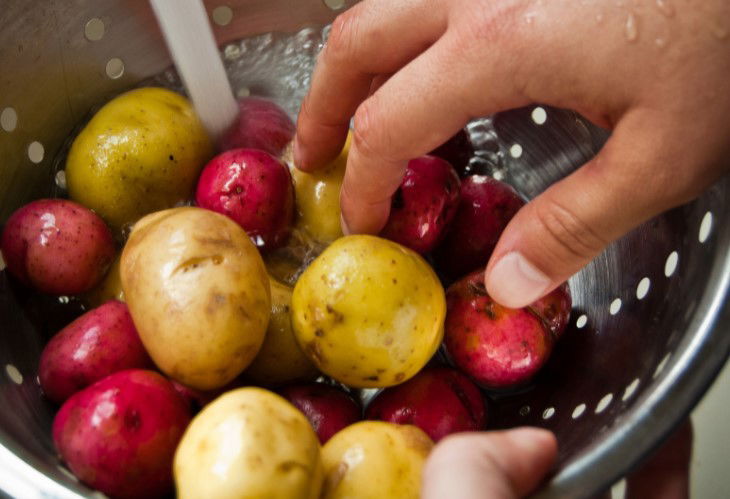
(564, 228)
(499, 465)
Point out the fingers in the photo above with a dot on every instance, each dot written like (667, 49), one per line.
(414, 111)
(499, 465)
(666, 474)
(561, 230)
(365, 41)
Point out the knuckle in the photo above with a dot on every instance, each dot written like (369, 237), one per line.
(574, 236)
(365, 135)
(340, 42)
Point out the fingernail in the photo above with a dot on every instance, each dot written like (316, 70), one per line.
(515, 282)
(343, 224)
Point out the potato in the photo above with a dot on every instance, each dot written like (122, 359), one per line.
(140, 153)
(199, 294)
(318, 198)
(280, 359)
(249, 443)
(375, 460)
(108, 289)
(369, 312)
(100, 342)
(57, 246)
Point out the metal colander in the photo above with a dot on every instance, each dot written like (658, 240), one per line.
(649, 327)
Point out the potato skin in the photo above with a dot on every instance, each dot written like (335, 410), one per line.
(199, 294)
(248, 443)
(369, 312)
(140, 153)
(280, 359)
(57, 246)
(318, 198)
(100, 342)
(375, 460)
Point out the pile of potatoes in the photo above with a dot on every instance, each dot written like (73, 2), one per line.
(223, 284)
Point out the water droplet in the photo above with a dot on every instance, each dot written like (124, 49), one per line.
(631, 30)
(665, 7)
(599, 18)
(660, 42)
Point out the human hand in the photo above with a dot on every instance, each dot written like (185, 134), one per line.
(511, 464)
(415, 71)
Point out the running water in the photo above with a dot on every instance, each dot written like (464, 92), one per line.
(192, 46)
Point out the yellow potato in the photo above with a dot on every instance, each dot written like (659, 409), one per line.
(109, 289)
(369, 312)
(377, 460)
(318, 198)
(248, 443)
(280, 359)
(199, 294)
(140, 153)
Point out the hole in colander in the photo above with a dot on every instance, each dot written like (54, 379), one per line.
(334, 4)
(13, 373)
(705, 227)
(671, 264)
(578, 411)
(643, 288)
(243, 92)
(515, 151)
(615, 306)
(222, 15)
(604, 402)
(64, 299)
(662, 364)
(61, 179)
(539, 116)
(548, 413)
(581, 321)
(115, 68)
(8, 119)
(630, 390)
(36, 152)
(524, 410)
(94, 29)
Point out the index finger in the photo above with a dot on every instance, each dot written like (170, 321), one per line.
(374, 37)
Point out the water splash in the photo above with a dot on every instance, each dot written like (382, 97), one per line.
(631, 29)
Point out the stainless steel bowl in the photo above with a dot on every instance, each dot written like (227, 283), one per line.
(649, 330)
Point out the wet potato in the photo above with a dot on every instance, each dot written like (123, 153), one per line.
(199, 295)
(368, 312)
(280, 359)
(375, 460)
(249, 443)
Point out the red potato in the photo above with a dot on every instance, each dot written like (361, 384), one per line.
(119, 435)
(57, 246)
(485, 208)
(554, 309)
(497, 347)
(458, 150)
(100, 342)
(423, 205)
(329, 409)
(261, 124)
(439, 400)
(252, 188)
